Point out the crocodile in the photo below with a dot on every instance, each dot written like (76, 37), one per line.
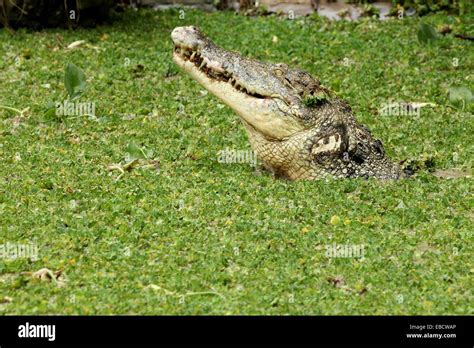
(298, 128)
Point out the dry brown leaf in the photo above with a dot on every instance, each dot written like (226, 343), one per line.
(337, 281)
(46, 275)
(75, 44)
(451, 174)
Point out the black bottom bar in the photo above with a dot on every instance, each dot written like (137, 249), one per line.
(415, 331)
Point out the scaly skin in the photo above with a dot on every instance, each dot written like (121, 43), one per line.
(298, 128)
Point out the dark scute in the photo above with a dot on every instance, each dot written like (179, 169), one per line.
(357, 158)
(378, 147)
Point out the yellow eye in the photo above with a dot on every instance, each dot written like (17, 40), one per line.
(278, 72)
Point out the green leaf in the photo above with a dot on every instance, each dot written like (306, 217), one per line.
(50, 110)
(315, 100)
(74, 80)
(460, 96)
(134, 152)
(426, 33)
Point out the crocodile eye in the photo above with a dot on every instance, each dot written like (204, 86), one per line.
(278, 72)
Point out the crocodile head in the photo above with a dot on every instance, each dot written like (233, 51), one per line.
(298, 128)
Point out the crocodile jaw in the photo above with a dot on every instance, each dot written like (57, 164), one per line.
(263, 113)
(259, 113)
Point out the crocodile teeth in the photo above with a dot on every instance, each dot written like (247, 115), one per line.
(212, 69)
